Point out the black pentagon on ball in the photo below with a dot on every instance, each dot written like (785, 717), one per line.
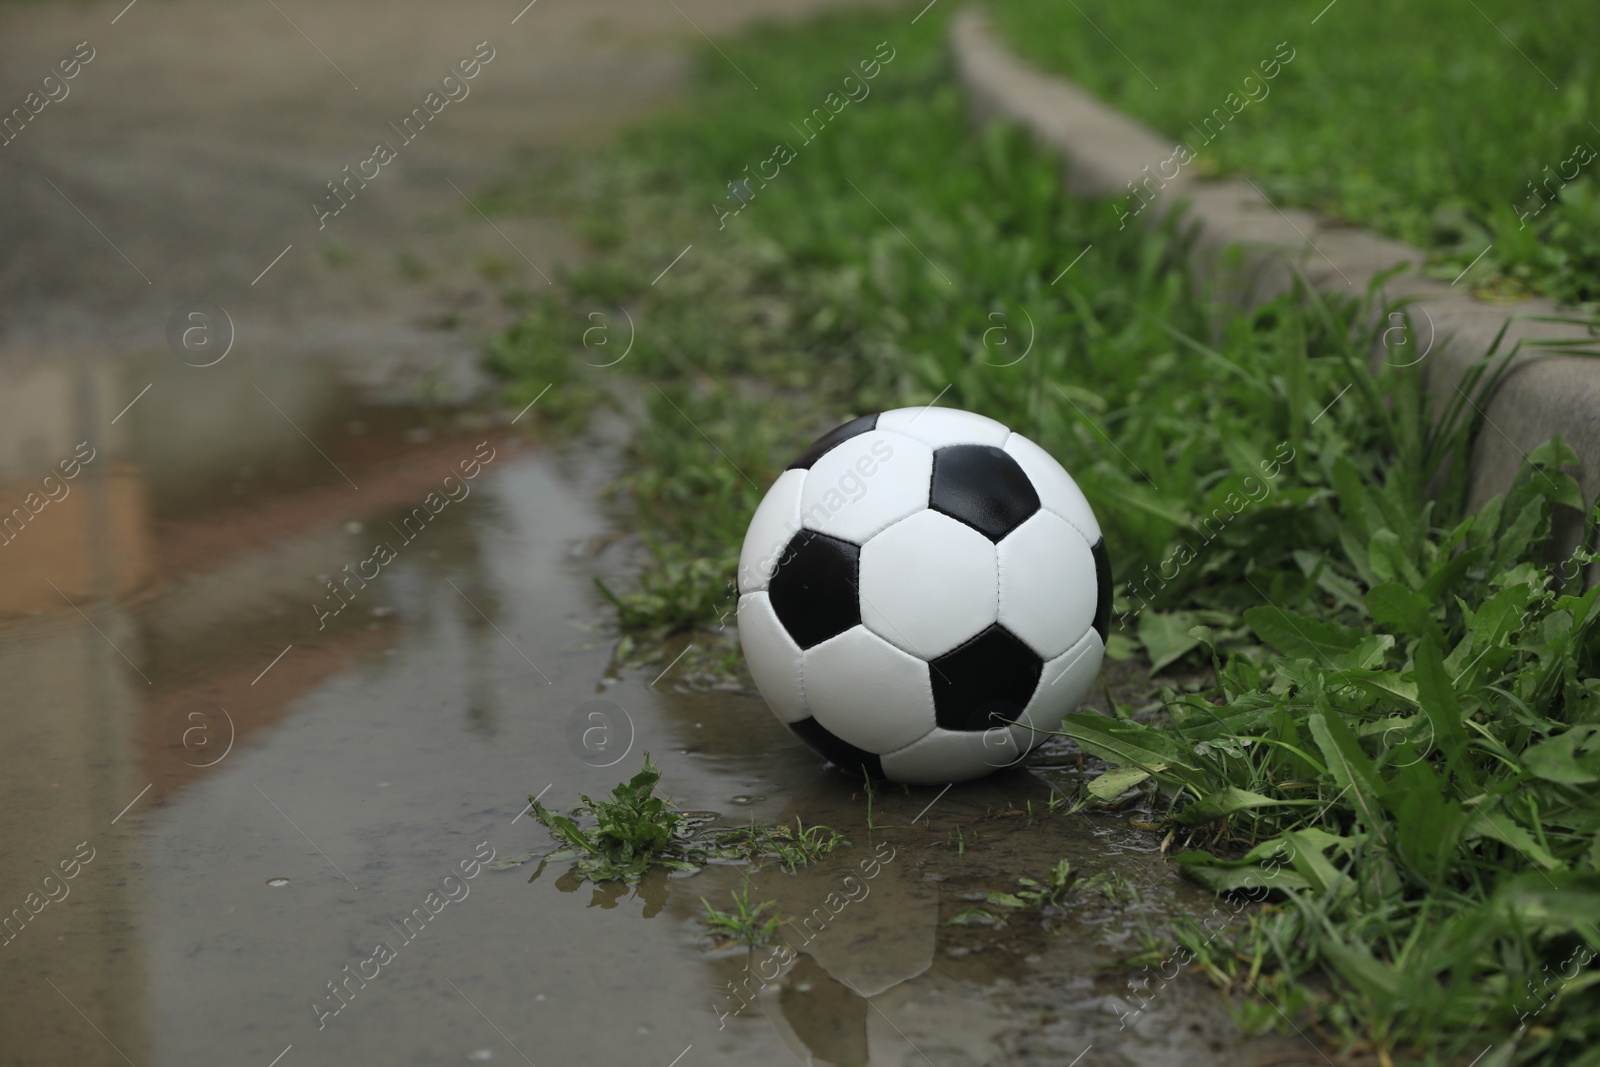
(814, 587)
(985, 681)
(1102, 573)
(836, 750)
(982, 486)
(831, 440)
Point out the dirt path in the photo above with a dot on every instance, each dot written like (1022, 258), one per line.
(195, 137)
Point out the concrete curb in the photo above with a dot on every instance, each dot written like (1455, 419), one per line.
(1248, 251)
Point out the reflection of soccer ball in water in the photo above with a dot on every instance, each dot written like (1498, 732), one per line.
(921, 592)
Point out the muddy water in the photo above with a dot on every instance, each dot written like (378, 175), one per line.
(257, 782)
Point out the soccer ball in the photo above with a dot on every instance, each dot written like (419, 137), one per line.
(920, 593)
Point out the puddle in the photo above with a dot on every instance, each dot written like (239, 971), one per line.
(277, 760)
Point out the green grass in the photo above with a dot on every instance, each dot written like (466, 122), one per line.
(746, 924)
(1033, 895)
(1398, 691)
(1426, 119)
(1400, 751)
(623, 836)
(1046, 897)
(793, 848)
(634, 830)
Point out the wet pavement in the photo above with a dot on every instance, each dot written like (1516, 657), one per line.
(226, 153)
(290, 629)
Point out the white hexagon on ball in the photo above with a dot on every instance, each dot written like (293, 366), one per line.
(773, 658)
(950, 755)
(1037, 560)
(939, 427)
(866, 484)
(1062, 688)
(928, 583)
(868, 692)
